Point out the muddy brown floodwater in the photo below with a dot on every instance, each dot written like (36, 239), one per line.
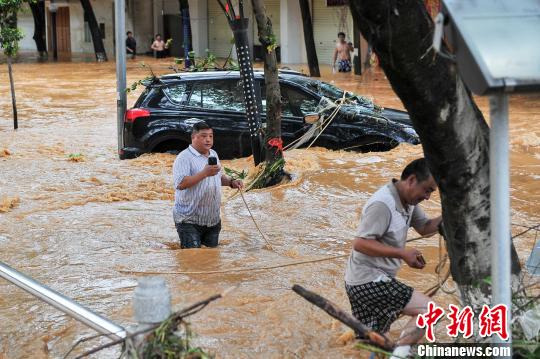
(77, 223)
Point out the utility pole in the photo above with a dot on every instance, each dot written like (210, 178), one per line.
(121, 97)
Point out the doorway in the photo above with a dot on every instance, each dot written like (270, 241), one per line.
(63, 35)
(173, 29)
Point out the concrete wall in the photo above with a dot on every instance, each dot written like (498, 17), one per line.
(327, 22)
(198, 11)
(209, 26)
(25, 22)
(148, 21)
(293, 48)
(141, 15)
(219, 32)
(104, 12)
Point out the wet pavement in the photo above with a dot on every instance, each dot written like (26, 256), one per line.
(81, 221)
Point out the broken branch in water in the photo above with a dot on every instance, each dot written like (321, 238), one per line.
(334, 311)
(176, 317)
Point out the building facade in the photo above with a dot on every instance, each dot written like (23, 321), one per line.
(209, 27)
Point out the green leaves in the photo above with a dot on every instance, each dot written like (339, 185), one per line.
(172, 340)
(10, 5)
(10, 35)
(235, 174)
(271, 42)
(145, 82)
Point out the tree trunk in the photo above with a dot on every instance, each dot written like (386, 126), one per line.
(13, 100)
(313, 62)
(452, 130)
(97, 36)
(239, 26)
(186, 24)
(38, 13)
(272, 143)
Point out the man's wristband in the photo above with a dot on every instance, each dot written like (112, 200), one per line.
(230, 183)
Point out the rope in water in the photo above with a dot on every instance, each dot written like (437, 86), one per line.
(248, 269)
(324, 122)
(240, 269)
(441, 279)
(253, 219)
(330, 119)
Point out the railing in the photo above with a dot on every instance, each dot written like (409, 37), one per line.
(62, 303)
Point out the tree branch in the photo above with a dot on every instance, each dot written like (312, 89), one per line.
(335, 312)
(177, 316)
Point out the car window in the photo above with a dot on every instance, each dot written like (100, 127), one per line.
(176, 93)
(334, 93)
(285, 106)
(159, 100)
(299, 103)
(218, 95)
(142, 97)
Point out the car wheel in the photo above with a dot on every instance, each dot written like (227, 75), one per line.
(171, 146)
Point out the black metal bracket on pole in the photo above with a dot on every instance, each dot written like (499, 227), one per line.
(239, 26)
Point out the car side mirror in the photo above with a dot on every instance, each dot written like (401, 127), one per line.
(311, 118)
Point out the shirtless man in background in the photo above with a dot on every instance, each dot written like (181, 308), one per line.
(343, 51)
(159, 46)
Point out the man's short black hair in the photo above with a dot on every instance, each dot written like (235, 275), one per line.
(129, 32)
(419, 168)
(199, 126)
(341, 33)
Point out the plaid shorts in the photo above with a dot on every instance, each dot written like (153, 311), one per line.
(344, 66)
(378, 304)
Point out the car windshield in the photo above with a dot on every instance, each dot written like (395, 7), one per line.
(332, 92)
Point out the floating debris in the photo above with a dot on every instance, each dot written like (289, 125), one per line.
(5, 152)
(76, 157)
(8, 203)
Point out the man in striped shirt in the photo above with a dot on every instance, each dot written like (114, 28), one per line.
(197, 184)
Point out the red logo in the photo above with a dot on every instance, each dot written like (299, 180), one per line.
(460, 321)
(429, 319)
(490, 321)
(493, 321)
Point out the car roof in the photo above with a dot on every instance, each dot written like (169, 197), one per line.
(222, 74)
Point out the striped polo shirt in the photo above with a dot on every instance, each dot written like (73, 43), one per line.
(385, 219)
(201, 203)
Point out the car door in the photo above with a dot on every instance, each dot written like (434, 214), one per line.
(219, 102)
(295, 105)
(165, 120)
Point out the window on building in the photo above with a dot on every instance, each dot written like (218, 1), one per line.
(87, 33)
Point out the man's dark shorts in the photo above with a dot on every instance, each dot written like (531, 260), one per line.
(344, 66)
(193, 235)
(378, 304)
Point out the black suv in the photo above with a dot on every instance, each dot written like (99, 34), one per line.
(162, 117)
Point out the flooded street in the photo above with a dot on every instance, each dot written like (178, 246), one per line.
(76, 218)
